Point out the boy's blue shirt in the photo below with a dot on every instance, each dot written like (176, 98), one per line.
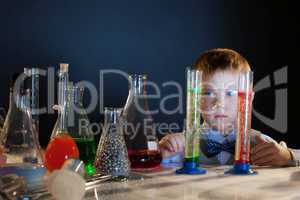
(217, 149)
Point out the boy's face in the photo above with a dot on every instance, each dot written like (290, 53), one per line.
(219, 100)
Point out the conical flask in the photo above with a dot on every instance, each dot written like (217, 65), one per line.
(13, 102)
(112, 155)
(78, 127)
(61, 147)
(18, 136)
(140, 134)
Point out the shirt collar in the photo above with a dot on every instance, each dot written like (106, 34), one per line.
(217, 136)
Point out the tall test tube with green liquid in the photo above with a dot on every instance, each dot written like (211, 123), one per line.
(193, 126)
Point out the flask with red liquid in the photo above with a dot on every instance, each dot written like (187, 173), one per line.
(140, 134)
(61, 147)
(77, 126)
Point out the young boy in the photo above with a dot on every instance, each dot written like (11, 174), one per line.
(220, 69)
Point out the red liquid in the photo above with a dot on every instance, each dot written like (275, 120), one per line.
(242, 149)
(60, 149)
(144, 159)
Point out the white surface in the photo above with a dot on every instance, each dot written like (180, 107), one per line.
(280, 183)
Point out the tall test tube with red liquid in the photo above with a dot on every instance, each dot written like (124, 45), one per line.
(244, 108)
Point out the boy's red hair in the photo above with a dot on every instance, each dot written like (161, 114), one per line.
(221, 59)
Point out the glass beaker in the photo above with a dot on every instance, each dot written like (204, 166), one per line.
(140, 134)
(112, 156)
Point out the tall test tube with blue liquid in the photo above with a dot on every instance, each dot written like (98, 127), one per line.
(193, 126)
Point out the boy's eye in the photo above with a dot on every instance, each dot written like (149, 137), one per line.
(231, 93)
(208, 94)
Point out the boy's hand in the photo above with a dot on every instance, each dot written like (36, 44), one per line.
(270, 153)
(172, 144)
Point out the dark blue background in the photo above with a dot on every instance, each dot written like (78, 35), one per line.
(159, 38)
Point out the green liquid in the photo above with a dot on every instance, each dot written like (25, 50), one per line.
(192, 159)
(87, 153)
(192, 144)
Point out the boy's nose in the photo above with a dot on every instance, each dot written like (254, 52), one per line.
(220, 101)
(219, 104)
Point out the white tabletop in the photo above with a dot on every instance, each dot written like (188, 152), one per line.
(269, 183)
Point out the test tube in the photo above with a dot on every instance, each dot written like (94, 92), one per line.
(193, 126)
(35, 96)
(244, 109)
(33, 85)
